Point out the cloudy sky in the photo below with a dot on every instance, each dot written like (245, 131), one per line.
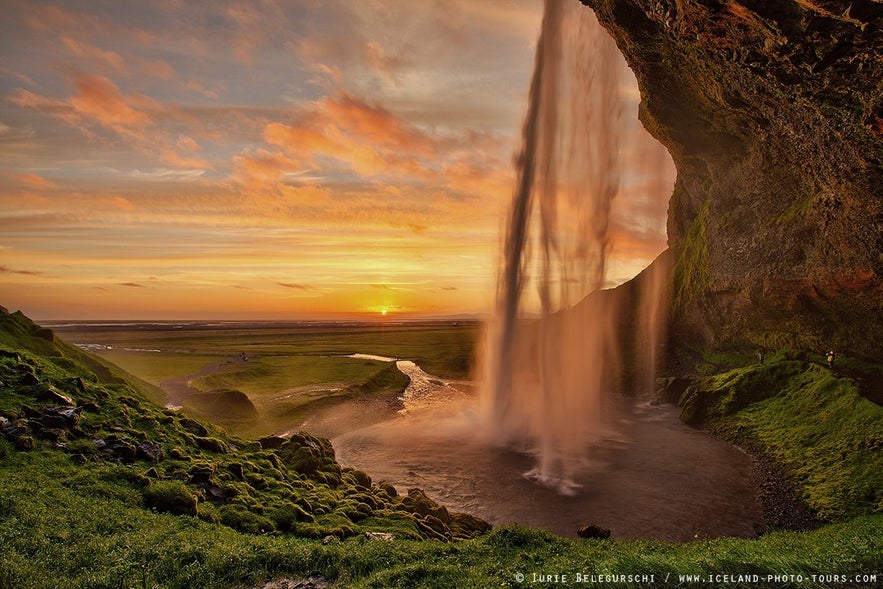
(173, 159)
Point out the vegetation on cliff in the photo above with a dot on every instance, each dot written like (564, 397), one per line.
(812, 421)
(106, 489)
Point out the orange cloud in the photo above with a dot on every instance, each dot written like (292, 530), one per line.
(95, 55)
(373, 142)
(34, 181)
(100, 101)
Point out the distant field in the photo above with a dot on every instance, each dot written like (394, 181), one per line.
(291, 369)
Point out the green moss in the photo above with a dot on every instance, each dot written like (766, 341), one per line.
(238, 518)
(811, 421)
(692, 269)
(170, 497)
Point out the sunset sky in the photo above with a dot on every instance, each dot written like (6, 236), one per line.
(172, 159)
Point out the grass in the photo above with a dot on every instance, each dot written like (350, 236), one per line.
(281, 375)
(155, 367)
(68, 531)
(70, 516)
(293, 370)
(810, 420)
(439, 348)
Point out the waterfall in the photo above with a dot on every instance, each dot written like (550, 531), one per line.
(553, 350)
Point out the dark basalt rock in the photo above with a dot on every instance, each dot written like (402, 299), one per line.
(271, 442)
(53, 395)
(149, 451)
(29, 379)
(591, 531)
(773, 115)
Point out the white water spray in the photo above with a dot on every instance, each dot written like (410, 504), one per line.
(547, 374)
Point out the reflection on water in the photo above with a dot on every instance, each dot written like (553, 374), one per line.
(651, 477)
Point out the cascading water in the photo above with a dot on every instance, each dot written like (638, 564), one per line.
(556, 351)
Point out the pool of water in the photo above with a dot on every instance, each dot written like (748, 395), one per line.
(649, 475)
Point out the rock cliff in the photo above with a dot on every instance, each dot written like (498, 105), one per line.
(773, 113)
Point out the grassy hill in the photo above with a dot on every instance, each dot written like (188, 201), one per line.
(101, 487)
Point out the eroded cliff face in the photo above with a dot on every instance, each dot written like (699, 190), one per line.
(773, 113)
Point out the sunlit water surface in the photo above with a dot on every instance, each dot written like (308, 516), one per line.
(650, 476)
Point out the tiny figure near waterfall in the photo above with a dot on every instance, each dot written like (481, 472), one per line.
(830, 358)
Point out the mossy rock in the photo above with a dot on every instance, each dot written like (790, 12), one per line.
(418, 503)
(193, 426)
(243, 520)
(287, 516)
(433, 528)
(170, 497)
(215, 445)
(466, 526)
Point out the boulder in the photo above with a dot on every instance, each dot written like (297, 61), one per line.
(149, 451)
(52, 395)
(418, 503)
(591, 531)
(29, 379)
(271, 442)
(464, 525)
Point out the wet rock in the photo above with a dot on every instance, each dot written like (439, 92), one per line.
(591, 531)
(271, 442)
(202, 474)
(53, 395)
(149, 451)
(59, 417)
(56, 436)
(121, 447)
(330, 540)
(18, 433)
(380, 536)
(672, 389)
(90, 407)
(4, 422)
(216, 493)
(99, 444)
(29, 379)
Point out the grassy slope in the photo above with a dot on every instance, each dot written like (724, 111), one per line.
(69, 525)
(809, 419)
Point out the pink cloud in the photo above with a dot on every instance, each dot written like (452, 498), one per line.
(33, 181)
(95, 55)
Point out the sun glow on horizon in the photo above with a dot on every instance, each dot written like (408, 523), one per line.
(294, 174)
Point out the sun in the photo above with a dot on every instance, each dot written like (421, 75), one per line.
(384, 311)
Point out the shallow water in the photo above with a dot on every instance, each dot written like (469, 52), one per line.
(650, 476)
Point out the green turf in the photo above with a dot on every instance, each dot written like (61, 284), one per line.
(70, 517)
